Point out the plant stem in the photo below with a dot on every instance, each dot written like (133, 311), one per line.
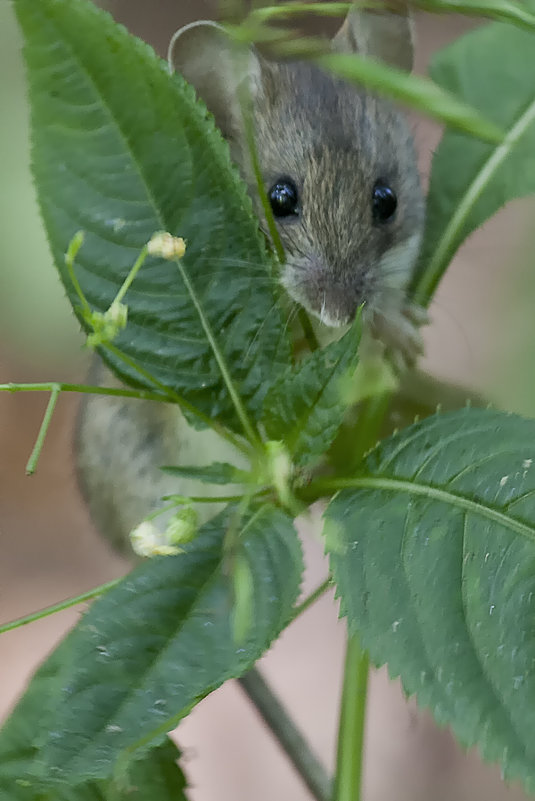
(291, 9)
(37, 448)
(348, 781)
(127, 283)
(452, 236)
(60, 607)
(84, 388)
(287, 734)
(169, 397)
(311, 599)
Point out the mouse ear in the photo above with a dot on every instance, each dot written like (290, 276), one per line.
(217, 67)
(387, 36)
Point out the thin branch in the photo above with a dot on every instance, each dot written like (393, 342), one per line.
(287, 734)
(37, 448)
(59, 607)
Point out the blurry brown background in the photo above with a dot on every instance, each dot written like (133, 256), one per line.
(482, 334)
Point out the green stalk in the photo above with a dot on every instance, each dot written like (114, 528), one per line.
(180, 401)
(37, 448)
(348, 781)
(311, 599)
(137, 394)
(48, 386)
(60, 607)
(131, 275)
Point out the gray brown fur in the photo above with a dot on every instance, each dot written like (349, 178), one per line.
(335, 142)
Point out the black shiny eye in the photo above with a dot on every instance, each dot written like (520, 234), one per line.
(384, 202)
(284, 198)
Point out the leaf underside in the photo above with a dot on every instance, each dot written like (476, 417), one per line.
(433, 551)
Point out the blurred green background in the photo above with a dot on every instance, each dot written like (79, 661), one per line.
(35, 319)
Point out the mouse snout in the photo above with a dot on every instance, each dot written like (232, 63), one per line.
(334, 299)
(338, 303)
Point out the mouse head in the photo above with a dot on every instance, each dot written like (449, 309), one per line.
(337, 162)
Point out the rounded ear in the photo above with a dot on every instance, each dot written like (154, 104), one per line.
(217, 67)
(387, 36)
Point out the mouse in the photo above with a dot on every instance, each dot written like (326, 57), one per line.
(339, 171)
(338, 166)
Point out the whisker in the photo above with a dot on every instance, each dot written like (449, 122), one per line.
(260, 328)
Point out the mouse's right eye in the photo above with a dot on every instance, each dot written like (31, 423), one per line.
(384, 202)
(284, 198)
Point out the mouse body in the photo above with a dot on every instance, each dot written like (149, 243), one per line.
(339, 170)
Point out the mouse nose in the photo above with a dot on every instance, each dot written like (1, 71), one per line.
(339, 304)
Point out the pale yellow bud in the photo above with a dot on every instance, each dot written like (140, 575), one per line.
(147, 541)
(166, 246)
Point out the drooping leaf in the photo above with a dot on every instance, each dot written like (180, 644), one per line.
(122, 149)
(306, 406)
(164, 638)
(433, 551)
(215, 473)
(471, 180)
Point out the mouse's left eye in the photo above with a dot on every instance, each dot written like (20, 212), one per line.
(384, 202)
(284, 198)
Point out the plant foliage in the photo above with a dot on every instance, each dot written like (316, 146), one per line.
(121, 149)
(431, 539)
(433, 552)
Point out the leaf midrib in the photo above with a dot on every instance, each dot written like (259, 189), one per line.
(433, 493)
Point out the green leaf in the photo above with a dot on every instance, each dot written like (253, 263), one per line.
(215, 473)
(433, 551)
(503, 10)
(471, 180)
(122, 149)
(306, 406)
(17, 750)
(495, 9)
(156, 775)
(153, 647)
(412, 90)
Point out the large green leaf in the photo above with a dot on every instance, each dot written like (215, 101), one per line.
(306, 406)
(157, 775)
(17, 751)
(433, 551)
(122, 149)
(471, 180)
(165, 637)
